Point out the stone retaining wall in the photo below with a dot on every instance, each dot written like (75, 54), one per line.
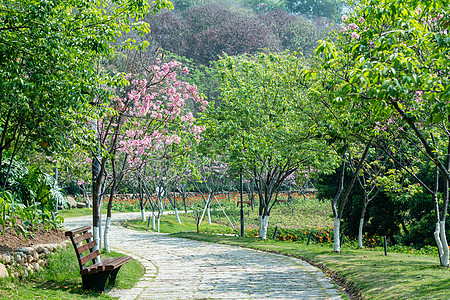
(27, 260)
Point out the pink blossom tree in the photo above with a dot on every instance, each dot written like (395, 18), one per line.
(149, 112)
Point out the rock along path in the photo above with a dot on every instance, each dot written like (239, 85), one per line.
(185, 269)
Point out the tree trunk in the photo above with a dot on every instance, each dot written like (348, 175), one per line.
(183, 188)
(177, 215)
(106, 239)
(441, 242)
(260, 219)
(444, 258)
(361, 224)
(153, 221)
(143, 214)
(208, 211)
(158, 223)
(360, 231)
(265, 224)
(337, 228)
(209, 207)
(141, 200)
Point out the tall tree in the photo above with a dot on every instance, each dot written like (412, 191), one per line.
(400, 66)
(143, 118)
(262, 124)
(48, 75)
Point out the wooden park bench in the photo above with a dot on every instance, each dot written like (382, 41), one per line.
(94, 276)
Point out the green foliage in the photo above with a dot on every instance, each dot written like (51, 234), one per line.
(390, 60)
(169, 224)
(29, 199)
(204, 32)
(11, 211)
(330, 9)
(48, 76)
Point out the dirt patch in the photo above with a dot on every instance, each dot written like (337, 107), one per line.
(10, 241)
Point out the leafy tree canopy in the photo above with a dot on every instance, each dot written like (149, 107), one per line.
(48, 55)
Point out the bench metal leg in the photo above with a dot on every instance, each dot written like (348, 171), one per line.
(112, 276)
(95, 282)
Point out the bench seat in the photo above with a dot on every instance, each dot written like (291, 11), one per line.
(94, 276)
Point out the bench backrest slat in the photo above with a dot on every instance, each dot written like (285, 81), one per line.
(82, 241)
(77, 230)
(86, 247)
(89, 257)
(80, 238)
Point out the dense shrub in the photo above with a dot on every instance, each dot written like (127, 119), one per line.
(29, 198)
(294, 32)
(204, 32)
(330, 9)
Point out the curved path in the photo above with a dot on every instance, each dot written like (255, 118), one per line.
(186, 269)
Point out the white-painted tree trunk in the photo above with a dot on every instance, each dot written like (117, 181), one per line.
(445, 256)
(265, 224)
(441, 241)
(208, 210)
(177, 215)
(143, 214)
(337, 228)
(153, 221)
(260, 219)
(158, 224)
(96, 233)
(360, 231)
(105, 238)
(99, 242)
(163, 206)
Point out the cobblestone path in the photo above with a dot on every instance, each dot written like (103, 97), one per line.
(185, 269)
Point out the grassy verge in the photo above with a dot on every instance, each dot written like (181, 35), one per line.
(61, 280)
(169, 224)
(77, 212)
(299, 213)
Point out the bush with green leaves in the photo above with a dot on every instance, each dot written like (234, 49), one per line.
(28, 198)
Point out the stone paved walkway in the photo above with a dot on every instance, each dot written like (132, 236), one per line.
(185, 269)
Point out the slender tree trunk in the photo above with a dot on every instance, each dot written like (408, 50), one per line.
(337, 220)
(106, 236)
(177, 215)
(97, 172)
(444, 257)
(361, 224)
(153, 221)
(208, 211)
(209, 207)
(183, 190)
(265, 225)
(141, 200)
(337, 230)
(260, 225)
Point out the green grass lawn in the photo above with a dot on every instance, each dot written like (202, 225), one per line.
(61, 280)
(300, 213)
(77, 212)
(169, 224)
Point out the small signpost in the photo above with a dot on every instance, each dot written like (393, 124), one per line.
(197, 220)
